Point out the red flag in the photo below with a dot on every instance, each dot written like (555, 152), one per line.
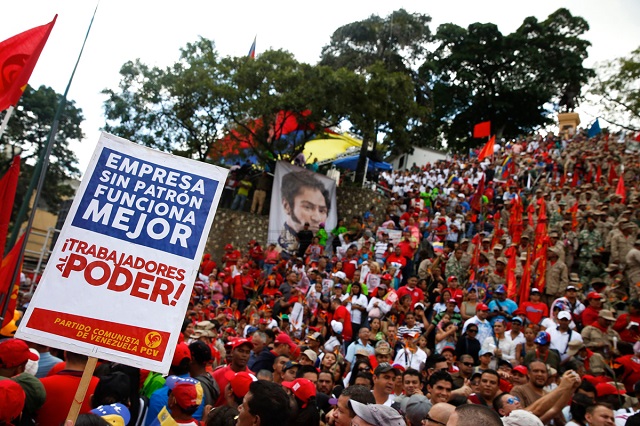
(563, 179)
(541, 271)
(8, 185)
(574, 216)
(525, 280)
(620, 189)
(487, 150)
(598, 174)
(511, 272)
(515, 220)
(612, 173)
(7, 268)
(476, 200)
(482, 130)
(637, 138)
(574, 179)
(18, 57)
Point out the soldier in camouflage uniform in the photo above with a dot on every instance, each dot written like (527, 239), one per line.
(593, 268)
(590, 242)
(498, 275)
(569, 239)
(455, 267)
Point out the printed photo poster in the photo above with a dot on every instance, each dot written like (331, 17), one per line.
(299, 196)
(120, 277)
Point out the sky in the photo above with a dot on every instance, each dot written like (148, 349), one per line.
(154, 32)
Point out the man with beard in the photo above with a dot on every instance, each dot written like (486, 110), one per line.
(465, 370)
(532, 391)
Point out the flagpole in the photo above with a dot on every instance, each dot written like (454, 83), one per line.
(39, 173)
(5, 120)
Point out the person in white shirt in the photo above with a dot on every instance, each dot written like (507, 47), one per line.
(500, 344)
(357, 305)
(411, 356)
(562, 334)
(480, 319)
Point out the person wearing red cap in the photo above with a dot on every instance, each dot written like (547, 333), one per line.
(590, 313)
(304, 393)
(12, 399)
(237, 387)
(240, 353)
(61, 388)
(282, 345)
(417, 295)
(230, 256)
(534, 309)
(184, 398)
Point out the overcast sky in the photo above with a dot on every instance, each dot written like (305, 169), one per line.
(154, 31)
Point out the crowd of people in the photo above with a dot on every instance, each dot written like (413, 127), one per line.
(492, 291)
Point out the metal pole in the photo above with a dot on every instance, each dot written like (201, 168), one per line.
(5, 120)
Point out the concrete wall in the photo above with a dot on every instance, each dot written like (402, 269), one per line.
(420, 156)
(238, 228)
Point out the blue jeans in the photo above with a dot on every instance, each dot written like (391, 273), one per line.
(238, 202)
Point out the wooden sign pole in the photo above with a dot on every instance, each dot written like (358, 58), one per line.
(82, 390)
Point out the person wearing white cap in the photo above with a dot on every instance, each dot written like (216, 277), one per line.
(562, 335)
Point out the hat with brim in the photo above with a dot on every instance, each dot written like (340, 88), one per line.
(377, 414)
(606, 314)
(574, 347)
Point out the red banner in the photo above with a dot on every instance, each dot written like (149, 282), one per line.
(138, 341)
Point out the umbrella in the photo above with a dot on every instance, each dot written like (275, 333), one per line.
(351, 163)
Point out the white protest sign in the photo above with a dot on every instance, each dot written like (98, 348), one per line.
(119, 279)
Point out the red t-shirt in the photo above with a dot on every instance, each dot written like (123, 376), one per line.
(535, 311)
(342, 313)
(231, 258)
(398, 259)
(417, 295)
(239, 282)
(589, 316)
(61, 389)
(349, 267)
(219, 377)
(406, 249)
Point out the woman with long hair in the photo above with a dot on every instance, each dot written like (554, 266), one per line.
(528, 345)
(468, 307)
(469, 344)
(358, 367)
(375, 325)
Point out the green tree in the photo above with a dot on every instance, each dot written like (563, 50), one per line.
(616, 86)
(28, 129)
(479, 74)
(386, 99)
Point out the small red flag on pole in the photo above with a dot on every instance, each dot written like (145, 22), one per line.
(18, 57)
(482, 130)
(620, 189)
(487, 149)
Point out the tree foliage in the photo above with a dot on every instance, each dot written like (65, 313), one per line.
(479, 74)
(617, 88)
(28, 129)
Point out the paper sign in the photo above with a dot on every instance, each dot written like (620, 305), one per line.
(119, 279)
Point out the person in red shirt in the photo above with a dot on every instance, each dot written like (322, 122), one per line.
(240, 353)
(456, 293)
(624, 325)
(207, 265)
(230, 256)
(342, 315)
(534, 309)
(590, 314)
(241, 286)
(61, 390)
(417, 295)
(396, 257)
(256, 253)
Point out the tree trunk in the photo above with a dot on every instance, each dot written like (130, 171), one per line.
(362, 159)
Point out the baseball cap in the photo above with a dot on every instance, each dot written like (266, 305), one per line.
(15, 352)
(485, 352)
(386, 277)
(570, 287)
(604, 389)
(240, 382)
(284, 338)
(500, 289)
(535, 290)
(416, 409)
(311, 355)
(336, 326)
(12, 399)
(340, 275)
(187, 391)
(543, 338)
(517, 319)
(564, 315)
(182, 352)
(481, 307)
(594, 295)
(384, 367)
(314, 336)
(520, 369)
(239, 342)
(116, 414)
(451, 278)
(303, 389)
(377, 414)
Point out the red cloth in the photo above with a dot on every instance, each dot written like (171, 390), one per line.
(342, 313)
(398, 259)
(589, 315)
(61, 389)
(631, 373)
(482, 130)
(535, 311)
(349, 267)
(417, 295)
(239, 282)
(207, 266)
(407, 249)
(231, 258)
(627, 335)
(219, 377)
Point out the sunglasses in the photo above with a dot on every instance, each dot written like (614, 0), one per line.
(472, 330)
(468, 364)
(512, 400)
(428, 419)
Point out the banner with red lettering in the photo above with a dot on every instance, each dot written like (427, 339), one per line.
(119, 279)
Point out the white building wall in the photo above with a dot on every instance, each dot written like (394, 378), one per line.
(420, 157)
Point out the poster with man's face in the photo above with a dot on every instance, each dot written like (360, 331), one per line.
(300, 197)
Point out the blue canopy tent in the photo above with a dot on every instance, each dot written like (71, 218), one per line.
(351, 163)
